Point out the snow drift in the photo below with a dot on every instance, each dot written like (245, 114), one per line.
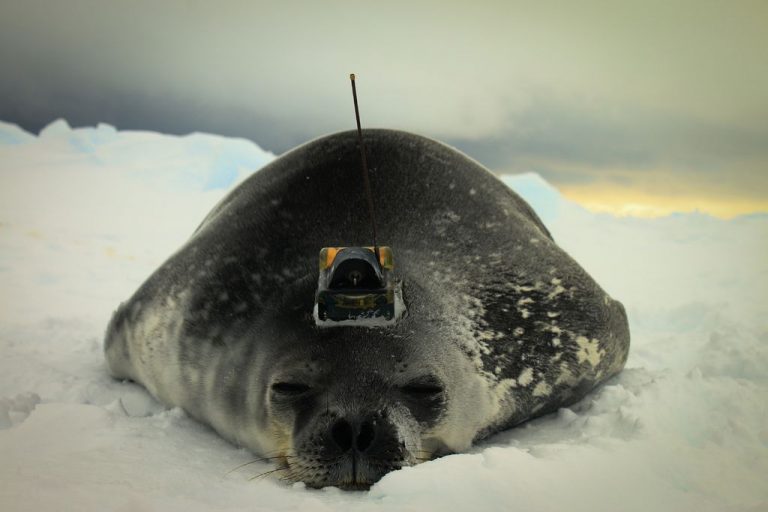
(87, 214)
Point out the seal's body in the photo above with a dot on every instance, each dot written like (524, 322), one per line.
(501, 324)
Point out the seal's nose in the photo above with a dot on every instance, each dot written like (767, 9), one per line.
(358, 434)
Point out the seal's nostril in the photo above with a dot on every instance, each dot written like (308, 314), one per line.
(365, 438)
(342, 434)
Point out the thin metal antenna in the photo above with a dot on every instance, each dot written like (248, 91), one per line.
(366, 180)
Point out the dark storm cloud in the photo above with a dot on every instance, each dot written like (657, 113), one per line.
(560, 132)
(137, 111)
(589, 93)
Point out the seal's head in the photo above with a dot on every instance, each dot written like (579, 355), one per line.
(355, 403)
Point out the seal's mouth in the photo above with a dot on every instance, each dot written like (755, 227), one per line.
(350, 472)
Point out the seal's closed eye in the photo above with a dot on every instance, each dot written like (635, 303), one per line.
(423, 387)
(290, 388)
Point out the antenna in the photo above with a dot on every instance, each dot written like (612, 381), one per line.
(366, 180)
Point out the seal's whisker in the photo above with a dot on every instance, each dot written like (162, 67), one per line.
(262, 475)
(294, 475)
(263, 459)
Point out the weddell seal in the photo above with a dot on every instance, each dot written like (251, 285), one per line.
(501, 325)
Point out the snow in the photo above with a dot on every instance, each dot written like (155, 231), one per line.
(86, 214)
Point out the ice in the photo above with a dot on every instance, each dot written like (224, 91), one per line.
(87, 213)
(12, 134)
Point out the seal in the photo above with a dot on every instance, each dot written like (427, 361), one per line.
(501, 325)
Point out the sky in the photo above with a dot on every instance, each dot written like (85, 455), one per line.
(642, 108)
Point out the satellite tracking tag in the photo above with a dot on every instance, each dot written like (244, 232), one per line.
(354, 288)
(356, 285)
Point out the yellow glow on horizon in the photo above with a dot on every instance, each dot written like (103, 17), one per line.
(658, 191)
(622, 201)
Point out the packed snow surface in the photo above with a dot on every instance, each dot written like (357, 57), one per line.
(87, 214)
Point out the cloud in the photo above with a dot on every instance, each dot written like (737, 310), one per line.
(598, 87)
(557, 138)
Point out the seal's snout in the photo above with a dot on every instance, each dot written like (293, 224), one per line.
(349, 450)
(357, 435)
